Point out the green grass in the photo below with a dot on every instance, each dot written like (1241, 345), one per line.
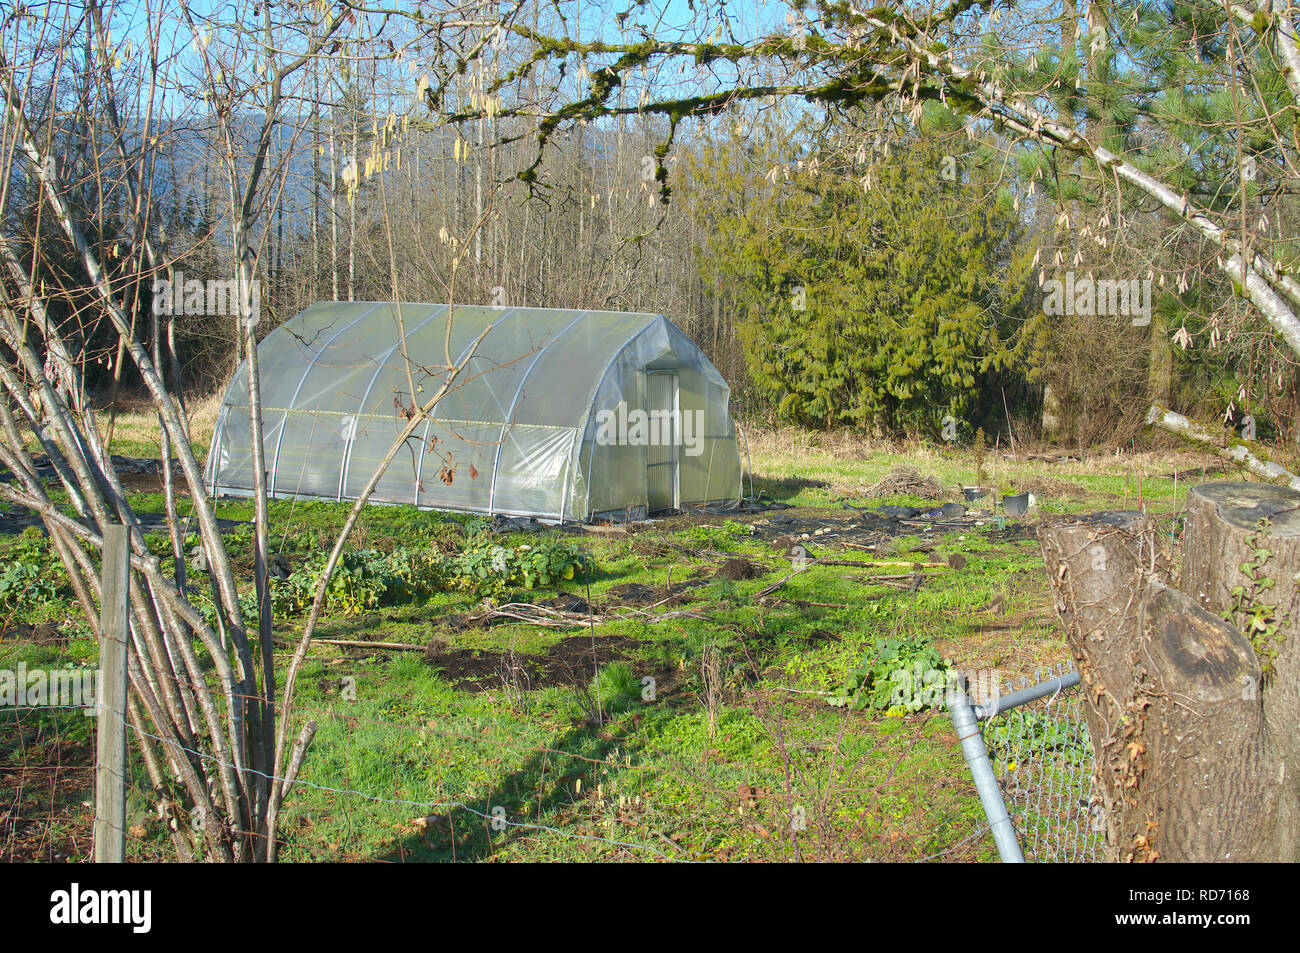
(409, 765)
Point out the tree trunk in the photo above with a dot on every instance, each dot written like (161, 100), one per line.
(1160, 360)
(1235, 450)
(1224, 535)
(352, 211)
(334, 215)
(1177, 730)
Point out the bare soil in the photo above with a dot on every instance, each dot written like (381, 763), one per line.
(571, 662)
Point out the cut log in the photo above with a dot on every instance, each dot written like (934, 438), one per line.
(1224, 534)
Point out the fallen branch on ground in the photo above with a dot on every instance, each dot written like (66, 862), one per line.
(559, 619)
(868, 580)
(866, 563)
(357, 644)
(818, 605)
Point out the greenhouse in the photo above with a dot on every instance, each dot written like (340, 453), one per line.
(559, 415)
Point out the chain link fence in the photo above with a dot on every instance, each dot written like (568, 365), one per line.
(1031, 759)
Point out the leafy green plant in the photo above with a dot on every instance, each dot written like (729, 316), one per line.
(548, 559)
(247, 608)
(293, 595)
(360, 581)
(413, 574)
(552, 558)
(1026, 734)
(23, 584)
(1256, 619)
(367, 579)
(363, 579)
(31, 576)
(902, 674)
(481, 562)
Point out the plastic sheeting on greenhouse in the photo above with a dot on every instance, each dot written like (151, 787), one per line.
(560, 415)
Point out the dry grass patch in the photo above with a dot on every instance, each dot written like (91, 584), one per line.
(135, 425)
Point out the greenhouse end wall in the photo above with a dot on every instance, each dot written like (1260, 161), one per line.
(518, 435)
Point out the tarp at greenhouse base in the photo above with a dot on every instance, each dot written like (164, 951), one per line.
(561, 415)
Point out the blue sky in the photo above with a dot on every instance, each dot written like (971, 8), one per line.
(749, 18)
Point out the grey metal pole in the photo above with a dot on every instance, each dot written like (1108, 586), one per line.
(1050, 686)
(986, 783)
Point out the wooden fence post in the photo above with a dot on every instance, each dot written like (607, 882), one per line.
(110, 754)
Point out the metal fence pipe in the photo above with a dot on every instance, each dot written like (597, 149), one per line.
(986, 784)
(1034, 692)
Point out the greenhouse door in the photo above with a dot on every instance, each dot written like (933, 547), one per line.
(664, 441)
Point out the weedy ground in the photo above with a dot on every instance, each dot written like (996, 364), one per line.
(679, 710)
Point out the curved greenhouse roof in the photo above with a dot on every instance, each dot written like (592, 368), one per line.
(558, 414)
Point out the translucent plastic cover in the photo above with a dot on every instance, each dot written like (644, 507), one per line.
(515, 432)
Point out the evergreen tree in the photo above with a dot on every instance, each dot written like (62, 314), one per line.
(885, 293)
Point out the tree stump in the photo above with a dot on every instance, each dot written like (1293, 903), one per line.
(1098, 565)
(1178, 745)
(1204, 788)
(1226, 548)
